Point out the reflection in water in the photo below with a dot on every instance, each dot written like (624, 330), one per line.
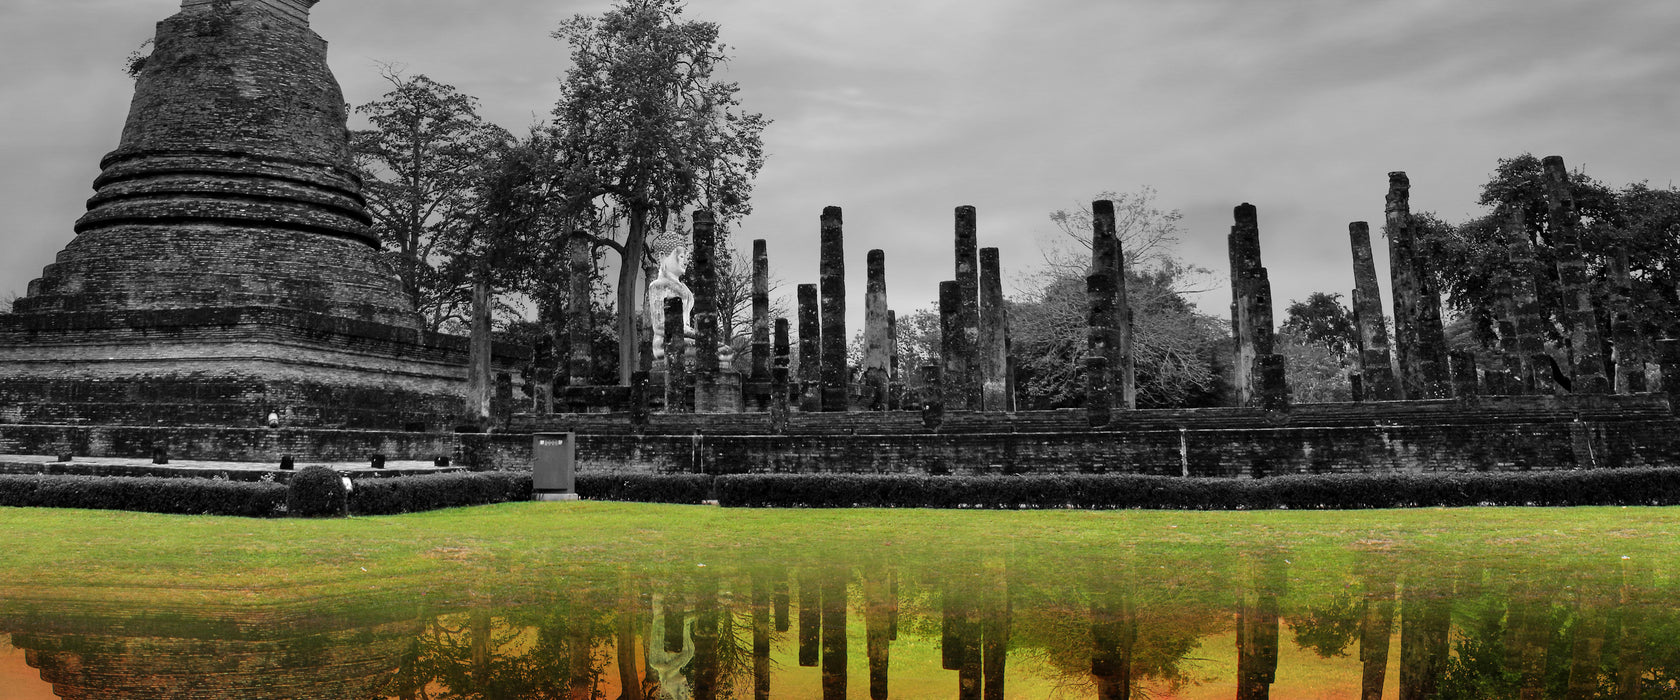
(665, 666)
(1257, 629)
(980, 628)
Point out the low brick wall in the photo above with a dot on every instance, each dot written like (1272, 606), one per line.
(1507, 433)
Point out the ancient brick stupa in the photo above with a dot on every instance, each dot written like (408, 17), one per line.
(225, 269)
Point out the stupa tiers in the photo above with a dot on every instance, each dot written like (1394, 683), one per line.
(225, 268)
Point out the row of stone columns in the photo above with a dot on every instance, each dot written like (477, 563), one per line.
(1426, 370)
(973, 363)
(974, 327)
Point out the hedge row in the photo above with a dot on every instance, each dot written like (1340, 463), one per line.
(646, 488)
(148, 494)
(1088, 491)
(410, 494)
(1093, 491)
(313, 492)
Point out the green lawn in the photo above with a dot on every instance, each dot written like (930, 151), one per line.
(50, 549)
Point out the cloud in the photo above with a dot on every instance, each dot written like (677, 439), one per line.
(900, 111)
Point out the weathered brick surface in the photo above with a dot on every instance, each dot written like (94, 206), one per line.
(224, 268)
(1500, 433)
(1503, 433)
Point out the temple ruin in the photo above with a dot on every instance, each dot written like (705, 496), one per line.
(225, 272)
(224, 269)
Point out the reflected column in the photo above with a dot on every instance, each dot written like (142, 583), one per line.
(834, 634)
(878, 603)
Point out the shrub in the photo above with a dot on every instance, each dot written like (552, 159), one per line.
(645, 488)
(1305, 491)
(149, 494)
(410, 494)
(315, 492)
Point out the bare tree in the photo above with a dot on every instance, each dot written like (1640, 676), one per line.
(1048, 324)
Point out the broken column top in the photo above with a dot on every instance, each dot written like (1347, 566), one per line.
(294, 10)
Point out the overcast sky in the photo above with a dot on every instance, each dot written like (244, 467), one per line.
(901, 110)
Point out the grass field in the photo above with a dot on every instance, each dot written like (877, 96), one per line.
(52, 549)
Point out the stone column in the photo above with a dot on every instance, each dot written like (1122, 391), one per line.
(953, 346)
(703, 272)
(641, 395)
(1376, 371)
(1501, 377)
(580, 364)
(1668, 362)
(1585, 347)
(1101, 345)
(1097, 394)
(1465, 384)
(994, 332)
(833, 281)
(760, 377)
(810, 350)
(875, 336)
(502, 402)
(970, 385)
(933, 396)
(678, 398)
(779, 376)
(1259, 371)
(1420, 341)
(480, 380)
(1109, 321)
(895, 381)
(1628, 354)
(1528, 326)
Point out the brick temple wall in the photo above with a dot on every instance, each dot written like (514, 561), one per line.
(231, 367)
(1507, 433)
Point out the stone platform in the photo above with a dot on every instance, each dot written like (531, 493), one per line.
(205, 469)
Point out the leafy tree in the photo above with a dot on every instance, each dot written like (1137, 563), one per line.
(1472, 257)
(419, 165)
(1317, 339)
(506, 210)
(1313, 372)
(1323, 320)
(645, 127)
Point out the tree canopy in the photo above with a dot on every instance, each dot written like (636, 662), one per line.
(646, 130)
(419, 165)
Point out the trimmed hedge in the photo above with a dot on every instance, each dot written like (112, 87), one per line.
(1307, 491)
(646, 488)
(316, 492)
(147, 494)
(410, 494)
